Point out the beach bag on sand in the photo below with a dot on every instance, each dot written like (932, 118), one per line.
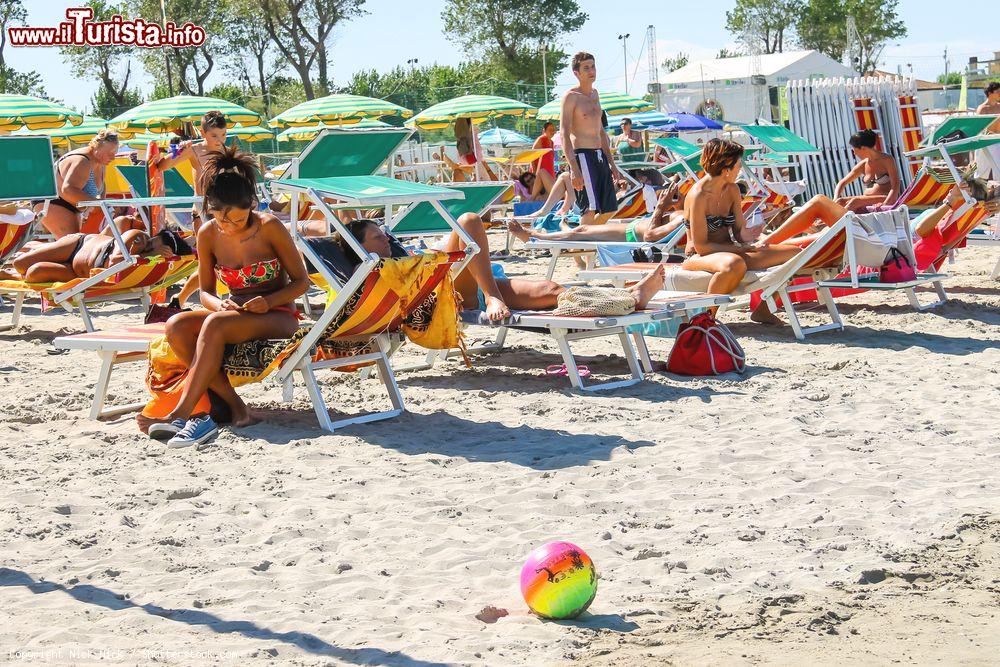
(897, 268)
(705, 347)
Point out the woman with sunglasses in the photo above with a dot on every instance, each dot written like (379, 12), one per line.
(714, 213)
(253, 255)
(79, 177)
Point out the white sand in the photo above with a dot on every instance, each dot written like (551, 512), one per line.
(730, 519)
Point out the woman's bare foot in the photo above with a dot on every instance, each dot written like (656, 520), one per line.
(518, 231)
(9, 274)
(646, 289)
(145, 422)
(241, 415)
(496, 309)
(763, 315)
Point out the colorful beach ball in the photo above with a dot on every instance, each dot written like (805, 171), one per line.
(558, 580)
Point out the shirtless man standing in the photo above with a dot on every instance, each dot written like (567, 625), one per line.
(587, 146)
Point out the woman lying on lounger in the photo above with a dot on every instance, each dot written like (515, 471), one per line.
(876, 169)
(254, 256)
(644, 230)
(76, 255)
(715, 240)
(484, 285)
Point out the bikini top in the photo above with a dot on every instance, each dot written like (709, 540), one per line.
(881, 180)
(717, 223)
(249, 275)
(90, 187)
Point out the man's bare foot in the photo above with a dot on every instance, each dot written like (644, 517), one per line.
(518, 231)
(496, 309)
(646, 289)
(763, 315)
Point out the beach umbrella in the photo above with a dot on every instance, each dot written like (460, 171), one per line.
(250, 132)
(172, 113)
(476, 107)
(692, 122)
(614, 104)
(309, 132)
(498, 136)
(34, 113)
(646, 120)
(61, 136)
(140, 139)
(337, 109)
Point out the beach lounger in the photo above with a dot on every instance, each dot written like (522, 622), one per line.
(563, 329)
(826, 257)
(351, 333)
(26, 171)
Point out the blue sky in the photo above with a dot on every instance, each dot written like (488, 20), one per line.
(392, 33)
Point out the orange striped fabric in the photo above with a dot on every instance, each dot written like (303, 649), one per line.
(925, 191)
(864, 114)
(913, 131)
(685, 186)
(633, 206)
(831, 255)
(149, 273)
(954, 232)
(12, 237)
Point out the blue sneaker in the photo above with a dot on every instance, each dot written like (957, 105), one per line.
(166, 430)
(195, 432)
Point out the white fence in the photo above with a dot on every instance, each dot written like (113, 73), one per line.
(822, 111)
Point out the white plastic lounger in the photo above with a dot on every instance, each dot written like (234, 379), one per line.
(565, 330)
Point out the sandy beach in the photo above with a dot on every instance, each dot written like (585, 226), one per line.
(837, 503)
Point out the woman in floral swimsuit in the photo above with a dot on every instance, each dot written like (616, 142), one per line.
(254, 256)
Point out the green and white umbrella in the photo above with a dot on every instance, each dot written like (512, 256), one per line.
(309, 132)
(614, 104)
(172, 113)
(61, 136)
(34, 113)
(250, 132)
(337, 109)
(476, 107)
(141, 139)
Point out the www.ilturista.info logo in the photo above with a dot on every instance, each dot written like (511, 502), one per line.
(79, 30)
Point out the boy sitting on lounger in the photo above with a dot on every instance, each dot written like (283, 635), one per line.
(484, 285)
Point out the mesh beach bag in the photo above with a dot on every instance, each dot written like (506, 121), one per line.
(595, 302)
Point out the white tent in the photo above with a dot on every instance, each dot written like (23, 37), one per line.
(724, 88)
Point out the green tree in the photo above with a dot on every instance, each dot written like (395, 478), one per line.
(302, 30)
(13, 13)
(509, 32)
(823, 26)
(769, 22)
(950, 79)
(230, 92)
(190, 67)
(108, 105)
(249, 52)
(728, 53)
(104, 63)
(677, 62)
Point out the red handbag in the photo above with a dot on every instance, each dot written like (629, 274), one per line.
(897, 268)
(705, 347)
